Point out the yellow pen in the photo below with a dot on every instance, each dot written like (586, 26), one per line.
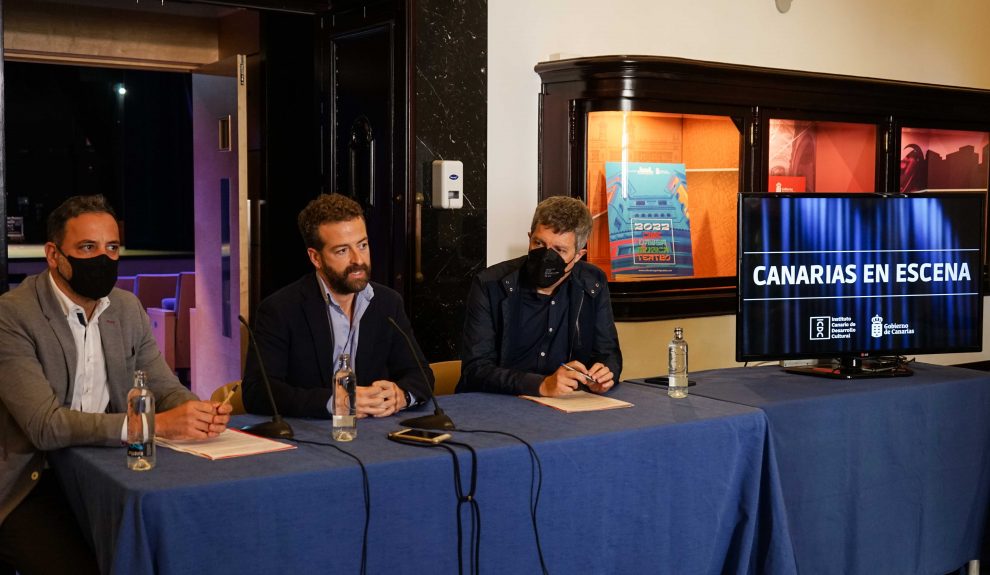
(230, 393)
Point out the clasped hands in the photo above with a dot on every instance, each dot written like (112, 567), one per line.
(380, 399)
(564, 381)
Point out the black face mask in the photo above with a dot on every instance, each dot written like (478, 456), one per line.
(544, 267)
(92, 278)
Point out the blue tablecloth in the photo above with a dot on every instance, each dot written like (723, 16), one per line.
(878, 475)
(667, 486)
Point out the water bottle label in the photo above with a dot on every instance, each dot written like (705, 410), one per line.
(344, 421)
(140, 449)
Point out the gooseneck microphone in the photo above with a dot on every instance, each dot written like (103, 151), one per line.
(439, 419)
(277, 428)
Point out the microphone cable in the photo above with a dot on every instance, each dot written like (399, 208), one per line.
(535, 480)
(468, 498)
(472, 501)
(367, 497)
(644, 384)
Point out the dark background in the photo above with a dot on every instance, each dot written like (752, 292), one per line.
(69, 133)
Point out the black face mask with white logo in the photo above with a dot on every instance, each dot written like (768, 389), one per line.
(94, 277)
(544, 267)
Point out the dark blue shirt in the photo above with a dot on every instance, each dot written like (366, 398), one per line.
(539, 334)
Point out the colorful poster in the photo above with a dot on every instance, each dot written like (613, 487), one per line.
(648, 224)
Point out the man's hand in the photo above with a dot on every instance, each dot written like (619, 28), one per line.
(563, 381)
(603, 376)
(380, 399)
(193, 420)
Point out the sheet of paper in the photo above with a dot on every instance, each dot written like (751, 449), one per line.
(578, 401)
(230, 443)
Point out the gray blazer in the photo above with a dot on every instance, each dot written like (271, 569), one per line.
(37, 369)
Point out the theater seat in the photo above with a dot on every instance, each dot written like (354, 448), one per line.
(125, 283)
(151, 289)
(170, 317)
(185, 301)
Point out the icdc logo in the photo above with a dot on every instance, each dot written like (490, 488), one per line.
(821, 327)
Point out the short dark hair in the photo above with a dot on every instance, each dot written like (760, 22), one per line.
(75, 207)
(326, 209)
(564, 214)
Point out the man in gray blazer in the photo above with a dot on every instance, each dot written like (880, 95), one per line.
(69, 345)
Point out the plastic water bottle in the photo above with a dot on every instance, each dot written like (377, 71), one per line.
(677, 365)
(140, 425)
(343, 401)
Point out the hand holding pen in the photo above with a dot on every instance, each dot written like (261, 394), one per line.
(598, 379)
(230, 394)
(569, 377)
(223, 409)
(588, 379)
(194, 419)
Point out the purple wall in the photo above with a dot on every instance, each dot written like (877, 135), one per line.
(216, 357)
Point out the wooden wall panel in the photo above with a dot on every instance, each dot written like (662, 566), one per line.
(35, 31)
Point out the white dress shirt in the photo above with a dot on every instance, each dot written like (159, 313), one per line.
(90, 390)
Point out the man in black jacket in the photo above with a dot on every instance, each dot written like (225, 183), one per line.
(542, 324)
(303, 329)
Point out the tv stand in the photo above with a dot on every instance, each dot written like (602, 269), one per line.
(856, 368)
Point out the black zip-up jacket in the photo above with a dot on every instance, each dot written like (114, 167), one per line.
(591, 328)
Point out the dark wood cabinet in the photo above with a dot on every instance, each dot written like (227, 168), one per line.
(732, 130)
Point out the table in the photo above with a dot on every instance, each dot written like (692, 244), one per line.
(878, 475)
(667, 486)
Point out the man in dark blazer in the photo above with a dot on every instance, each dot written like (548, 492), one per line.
(542, 324)
(69, 345)
(303, 329)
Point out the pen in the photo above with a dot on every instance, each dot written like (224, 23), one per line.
(586, 376)
(230, 393)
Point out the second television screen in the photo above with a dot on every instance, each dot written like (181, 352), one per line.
(830, 275)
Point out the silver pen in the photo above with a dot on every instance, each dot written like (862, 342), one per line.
(586, 376)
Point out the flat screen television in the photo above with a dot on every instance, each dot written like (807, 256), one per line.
(858, 276)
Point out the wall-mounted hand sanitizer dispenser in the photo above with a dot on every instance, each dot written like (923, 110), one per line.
(448, 186)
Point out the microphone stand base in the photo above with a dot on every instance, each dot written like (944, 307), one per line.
(274, 429)
(435, 421)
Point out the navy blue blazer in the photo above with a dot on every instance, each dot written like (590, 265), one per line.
(296, 344)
